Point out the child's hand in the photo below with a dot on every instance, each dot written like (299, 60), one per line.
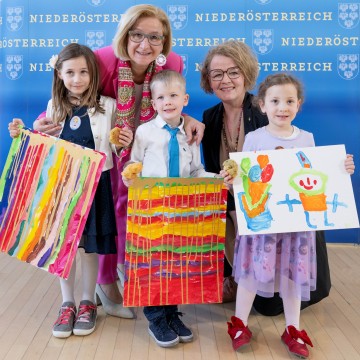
(131, 172)
(349, 164)
(14, 127)
(127, 182)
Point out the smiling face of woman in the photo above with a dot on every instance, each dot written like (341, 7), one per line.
(143, 53)
(227, 89)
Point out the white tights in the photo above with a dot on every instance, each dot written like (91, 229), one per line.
(89, 270)
(244, 302)
(245, 299)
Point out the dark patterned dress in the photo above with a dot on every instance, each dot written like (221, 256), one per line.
(100, 228)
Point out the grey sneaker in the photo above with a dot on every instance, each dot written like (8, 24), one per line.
(86, 318)
(64, 324)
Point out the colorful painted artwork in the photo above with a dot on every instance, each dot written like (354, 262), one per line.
(46, 191)
(293, 190)
(253, 200)
(175, 241)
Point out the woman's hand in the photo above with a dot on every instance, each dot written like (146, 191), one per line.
(125, 137)
(228, 179)
(194, 130)
(46, 126)
(349, 164)
(14, 127)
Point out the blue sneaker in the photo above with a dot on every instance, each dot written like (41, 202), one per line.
(184, 333)
(163, 335)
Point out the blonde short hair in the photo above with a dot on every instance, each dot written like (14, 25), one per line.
(129, 19)
(168, 77)
(243, 57)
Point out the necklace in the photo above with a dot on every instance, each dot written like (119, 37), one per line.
(75, 100)
(227, 145)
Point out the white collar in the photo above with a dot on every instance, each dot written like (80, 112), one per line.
(159, 122)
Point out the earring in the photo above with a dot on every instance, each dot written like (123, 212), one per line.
(160, 60)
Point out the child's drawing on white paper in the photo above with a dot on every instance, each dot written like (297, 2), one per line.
(294, 190)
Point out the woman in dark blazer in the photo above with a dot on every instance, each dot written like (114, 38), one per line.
(229, 71)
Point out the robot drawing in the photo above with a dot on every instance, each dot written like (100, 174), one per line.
(311, 186)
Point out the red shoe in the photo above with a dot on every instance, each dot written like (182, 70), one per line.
(235, 326)
(289, 338)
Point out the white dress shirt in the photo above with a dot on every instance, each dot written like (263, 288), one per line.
(151, 148)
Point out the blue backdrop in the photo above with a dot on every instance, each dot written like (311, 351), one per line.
(318, 41)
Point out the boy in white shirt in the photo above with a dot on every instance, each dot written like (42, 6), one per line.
(152, 139)
(153, 146)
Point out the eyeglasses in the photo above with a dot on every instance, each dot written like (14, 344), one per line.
(218, 74)
(138, 37)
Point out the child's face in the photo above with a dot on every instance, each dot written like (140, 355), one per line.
(281, 105)
(75, 74)
(168, 100)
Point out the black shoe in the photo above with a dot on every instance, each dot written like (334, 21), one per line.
(163, 335)
(185, 334)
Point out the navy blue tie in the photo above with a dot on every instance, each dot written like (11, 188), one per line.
(173, 152)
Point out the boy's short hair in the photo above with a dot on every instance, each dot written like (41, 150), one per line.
(168, 77)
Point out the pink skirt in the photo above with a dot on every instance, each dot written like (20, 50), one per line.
(275, 262)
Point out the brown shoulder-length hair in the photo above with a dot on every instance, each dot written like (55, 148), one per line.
(243, 57)
(129, 19)
(278, 79)
(62, 107)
